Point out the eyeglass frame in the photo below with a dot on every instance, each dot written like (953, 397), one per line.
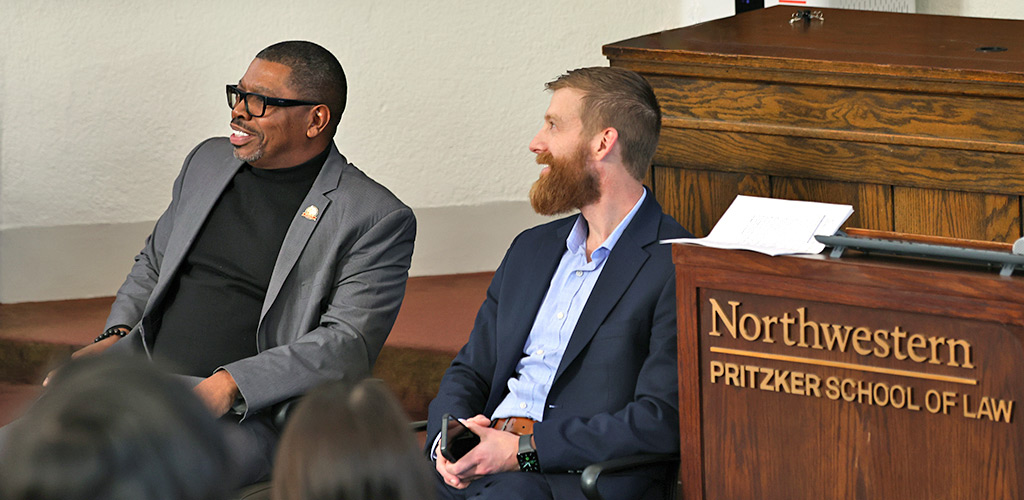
(243, 96)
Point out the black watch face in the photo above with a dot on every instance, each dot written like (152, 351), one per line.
(528, 461)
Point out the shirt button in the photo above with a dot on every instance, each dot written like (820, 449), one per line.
(560, 315)
(540, 352)
(579, 273)
(522, 405)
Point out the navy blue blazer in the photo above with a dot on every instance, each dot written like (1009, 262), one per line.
(615, 392)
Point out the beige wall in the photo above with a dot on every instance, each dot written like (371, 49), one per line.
(100, 100)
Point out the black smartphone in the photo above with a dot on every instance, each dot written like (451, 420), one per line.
(457, 439)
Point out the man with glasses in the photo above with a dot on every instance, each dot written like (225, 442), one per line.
(277, 266)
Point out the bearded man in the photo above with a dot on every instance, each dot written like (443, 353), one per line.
(572, 359)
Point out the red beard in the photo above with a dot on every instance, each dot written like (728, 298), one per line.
(568, 185)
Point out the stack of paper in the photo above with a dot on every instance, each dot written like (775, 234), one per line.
(774, 227)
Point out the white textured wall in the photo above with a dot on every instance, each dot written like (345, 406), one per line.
(1006, 9)
(100, 100)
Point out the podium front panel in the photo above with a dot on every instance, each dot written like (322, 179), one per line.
(811, 378)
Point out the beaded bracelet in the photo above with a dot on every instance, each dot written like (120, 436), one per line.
(118, 330)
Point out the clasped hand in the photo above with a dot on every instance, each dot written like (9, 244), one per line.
(496, 453)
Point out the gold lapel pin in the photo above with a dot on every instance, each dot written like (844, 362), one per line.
(311, 212)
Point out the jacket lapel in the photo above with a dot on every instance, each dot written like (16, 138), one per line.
(305, 221)
(622, 266)
(529, 288)
(191, 216)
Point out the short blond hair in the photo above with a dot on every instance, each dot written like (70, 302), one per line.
(620, 99)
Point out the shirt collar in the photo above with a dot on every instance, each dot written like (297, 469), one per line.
(576, 242)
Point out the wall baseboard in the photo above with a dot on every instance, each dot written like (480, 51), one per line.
(84, 261)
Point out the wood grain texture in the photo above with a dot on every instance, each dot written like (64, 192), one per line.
(763, 444)
(872, 203)
(901, 102)
(698, 198)
(917, 115)
(901, 46)
(957, 214)
(788, 156)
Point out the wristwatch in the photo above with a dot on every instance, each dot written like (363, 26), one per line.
(527, 454)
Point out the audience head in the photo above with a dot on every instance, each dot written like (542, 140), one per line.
(114, 428)
(353, 443)
(619, 99)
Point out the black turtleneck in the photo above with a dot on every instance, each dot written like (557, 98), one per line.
(212, 311)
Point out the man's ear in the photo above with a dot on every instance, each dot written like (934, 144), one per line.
(604, 142)
(319, 117)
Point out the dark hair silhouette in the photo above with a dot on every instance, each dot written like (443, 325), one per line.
(115, 428)
(350, 442)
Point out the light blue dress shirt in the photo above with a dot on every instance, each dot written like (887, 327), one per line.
(563, 303)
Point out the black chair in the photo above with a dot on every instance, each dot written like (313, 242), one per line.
(258, 491)
(592, 474)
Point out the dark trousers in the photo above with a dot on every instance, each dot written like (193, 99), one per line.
(539, 486)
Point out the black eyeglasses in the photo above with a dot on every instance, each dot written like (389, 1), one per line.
(256, 104)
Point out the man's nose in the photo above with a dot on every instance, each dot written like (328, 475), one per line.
(537, 145)
(239, 110)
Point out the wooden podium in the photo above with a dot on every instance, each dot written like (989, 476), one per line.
(807, 377)
(913, 119)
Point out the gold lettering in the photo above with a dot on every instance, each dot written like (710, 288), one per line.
(910, 400)
(751, 372)
(1003, 410)
(768, 322)
(948, 401)
(743, 327)
(766, 382)
(800, 331)
(813, 385)
(832, 388)
(863, 392)
(990, 408)
(985, 409)
(786, 321)
(967, 407)
(732, 374)
(836, 338)
(898, 390)
(898, 335)
(860, 336)
(880, 398)
(935, 343)
(781, 381)
(965, 348)
(915, 342)
(717, 370)
(796, 381)
(882, 348)
(932, 401)
(804, 325)
(717, 312)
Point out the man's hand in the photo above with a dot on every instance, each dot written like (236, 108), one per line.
(496, 453)
(89, 350)
(218, 392)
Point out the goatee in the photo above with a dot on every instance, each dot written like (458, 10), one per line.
(568, 184)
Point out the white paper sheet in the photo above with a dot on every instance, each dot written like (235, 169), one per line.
(773, 226)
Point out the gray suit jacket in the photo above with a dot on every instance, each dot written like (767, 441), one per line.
(336, 287)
